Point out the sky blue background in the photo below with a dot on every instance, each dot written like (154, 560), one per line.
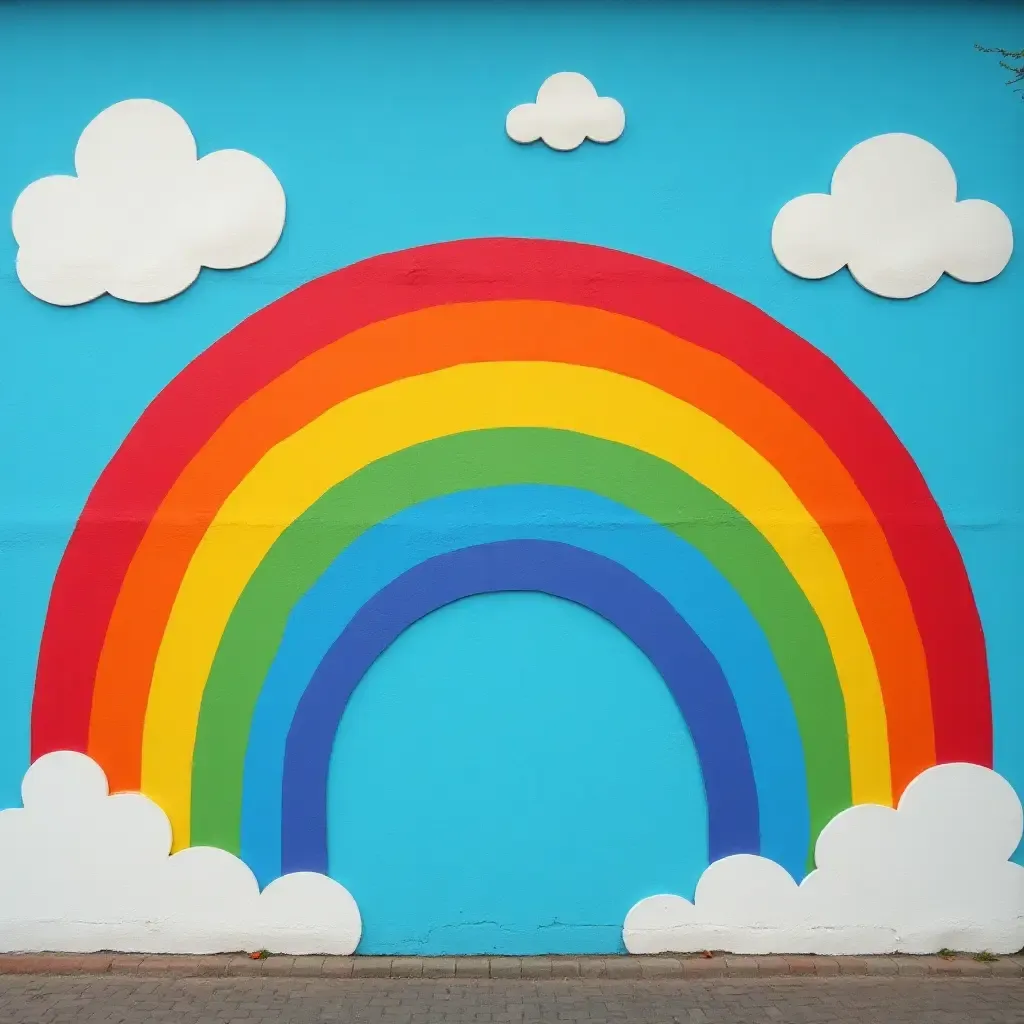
(384, 122)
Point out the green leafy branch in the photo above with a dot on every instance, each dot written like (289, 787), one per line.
(1007, 56)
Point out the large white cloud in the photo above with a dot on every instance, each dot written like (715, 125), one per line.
(144, 215)
(933, 874)
(567, 112)
(893, 218)
(83, 871)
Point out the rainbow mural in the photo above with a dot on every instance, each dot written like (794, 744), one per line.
(780, 560)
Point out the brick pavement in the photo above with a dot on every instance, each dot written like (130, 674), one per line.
(126, 999)
(509, 968)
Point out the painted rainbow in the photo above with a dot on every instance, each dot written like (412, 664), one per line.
(235, 573)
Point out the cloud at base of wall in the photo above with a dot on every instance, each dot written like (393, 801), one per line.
(933, 873)
(81, 870)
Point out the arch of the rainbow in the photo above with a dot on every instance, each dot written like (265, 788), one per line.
(54, 728)
(668, 564)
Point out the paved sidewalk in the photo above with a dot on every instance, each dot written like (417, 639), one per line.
(120, 999)
(510, 968)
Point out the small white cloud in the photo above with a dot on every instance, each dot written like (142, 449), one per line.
(892, 218)
(144, 215)
(933, 874)
(83, 871)
(567, 112)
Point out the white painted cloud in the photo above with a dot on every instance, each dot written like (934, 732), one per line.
(933, 874)
(83, 871)
(567, 112)
(893, 218)
(144, 215)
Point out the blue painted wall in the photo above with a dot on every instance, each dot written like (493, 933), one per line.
(384, 122)
(523, 771)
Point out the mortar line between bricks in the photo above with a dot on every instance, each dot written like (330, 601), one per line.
(608, 967)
